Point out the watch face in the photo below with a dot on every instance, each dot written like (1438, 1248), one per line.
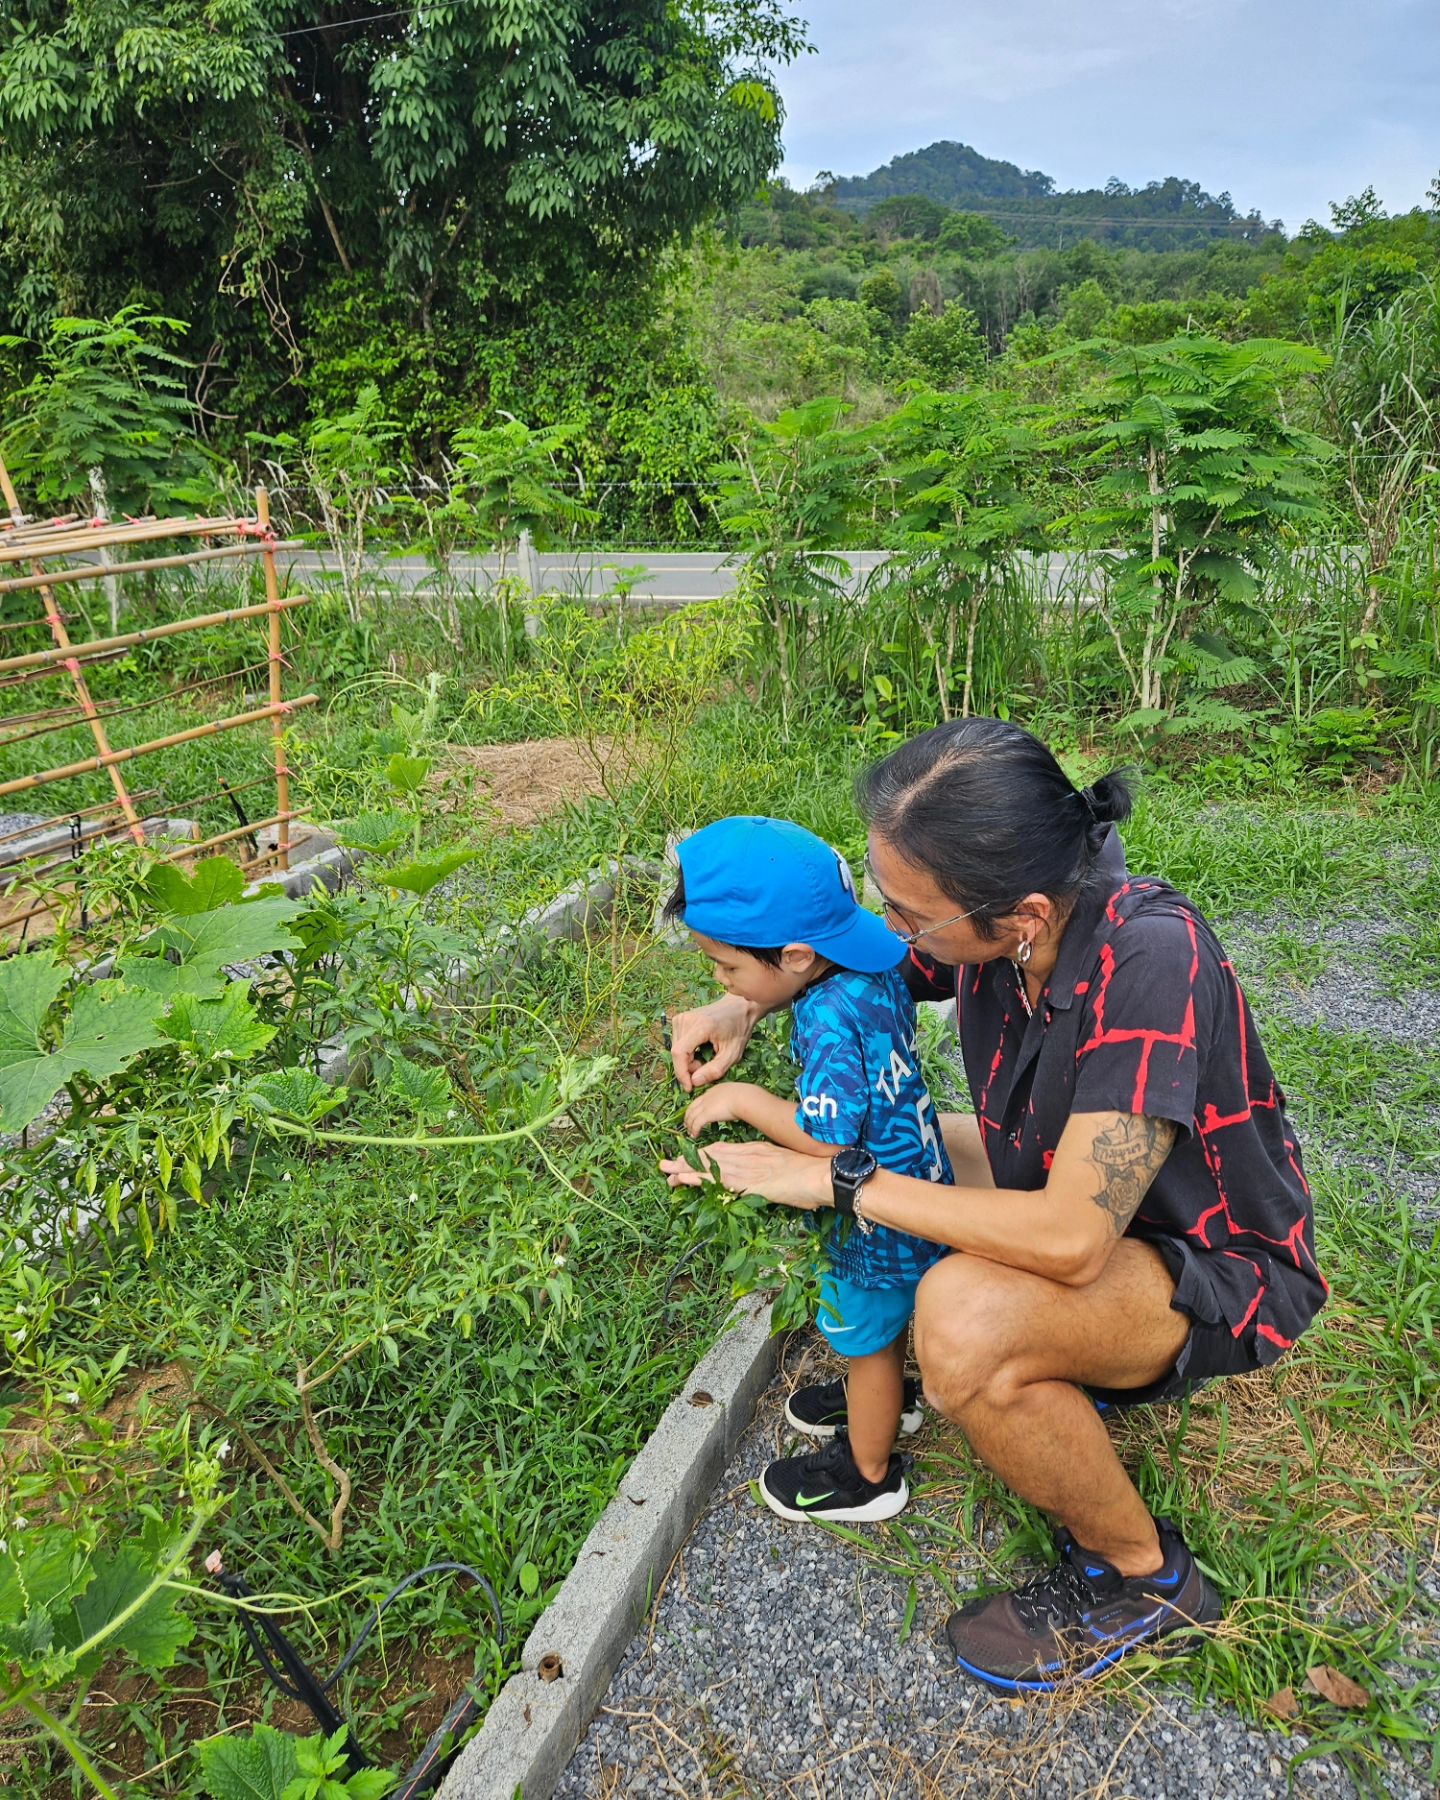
(853, 1165)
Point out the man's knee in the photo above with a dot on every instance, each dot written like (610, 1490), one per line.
(959, 1334)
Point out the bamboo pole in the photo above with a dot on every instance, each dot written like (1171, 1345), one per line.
(85, 812)
(91, 763)
(60, 541)
(226, 837)
(14, 584)
(277, 664)
(105, 646)
(62, 640)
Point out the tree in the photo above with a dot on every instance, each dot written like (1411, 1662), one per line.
(882, 293)
(228, 159)
(1198, 483)
(906, 216)
(945, 349)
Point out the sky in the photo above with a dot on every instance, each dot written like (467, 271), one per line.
(1287, 104)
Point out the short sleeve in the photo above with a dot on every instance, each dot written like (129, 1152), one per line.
(834, 1100)
(1150, 1005)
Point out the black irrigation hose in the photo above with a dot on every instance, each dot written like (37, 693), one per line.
(299, 1682)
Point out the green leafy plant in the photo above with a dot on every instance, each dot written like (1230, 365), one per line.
(266, 1764)
(106, 395)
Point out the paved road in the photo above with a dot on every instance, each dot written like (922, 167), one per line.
(664, 577)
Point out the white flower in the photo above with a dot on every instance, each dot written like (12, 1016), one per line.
(72, 1399)
(17, 1523)
(558, 1260)
(223, 1451)
(412, 1198)
(285, 1176)
(452, 1114)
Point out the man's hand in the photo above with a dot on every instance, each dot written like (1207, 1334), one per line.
(719, 1105)
(788, 1177)
(726, 1024)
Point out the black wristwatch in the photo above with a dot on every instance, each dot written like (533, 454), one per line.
(849, 1171)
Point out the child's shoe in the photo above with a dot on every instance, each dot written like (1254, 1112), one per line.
(827, 1485)
(821, 1409)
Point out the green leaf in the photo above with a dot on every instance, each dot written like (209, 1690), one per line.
(259, 1766)
(422, 1090)
(108, 1027)
(41, 1576)
(379, 833)
(225, 1030)
(426, 872)
(216, 882)
(291, 1094)
(207, 942)
(529, 1579)
(369, 1784)
(154, 1636)
(28, 989)
(406, 774)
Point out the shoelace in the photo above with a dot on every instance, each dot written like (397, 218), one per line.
(1058, 1595)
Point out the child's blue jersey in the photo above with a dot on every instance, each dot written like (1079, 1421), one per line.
(860, 1083)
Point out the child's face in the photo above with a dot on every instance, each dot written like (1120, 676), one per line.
(748, 978)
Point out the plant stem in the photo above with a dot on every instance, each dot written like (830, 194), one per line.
(71, 1744)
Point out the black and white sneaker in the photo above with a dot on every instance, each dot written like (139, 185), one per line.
(827, 1485)
(821, 1410)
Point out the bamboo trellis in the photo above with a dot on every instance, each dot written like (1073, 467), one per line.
(40, 556)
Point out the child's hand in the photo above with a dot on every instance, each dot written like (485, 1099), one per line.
(718, 1105)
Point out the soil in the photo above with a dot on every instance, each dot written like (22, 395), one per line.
(527, 782)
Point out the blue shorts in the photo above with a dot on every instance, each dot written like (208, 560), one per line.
(870, 1318)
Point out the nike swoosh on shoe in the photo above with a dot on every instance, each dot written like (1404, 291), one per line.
(813, 1499)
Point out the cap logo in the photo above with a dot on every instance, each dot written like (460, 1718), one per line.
(847, 880)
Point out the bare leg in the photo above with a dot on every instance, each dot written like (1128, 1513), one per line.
(1002, 1353)
(874, 1390)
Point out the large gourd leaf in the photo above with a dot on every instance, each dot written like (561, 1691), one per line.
(216, 882)
(28, 986)
(379, 833)
(207, 942)
(225, 1030)
(290, 1094)
(423, 1090)
(426, 872)
(258, 1766)
(41, 1574)
(154, 1635)
(108, 1028)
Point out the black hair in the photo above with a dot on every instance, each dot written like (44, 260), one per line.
(988, 813)
(674, 908)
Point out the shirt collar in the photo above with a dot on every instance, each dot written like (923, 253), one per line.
(1077, 942)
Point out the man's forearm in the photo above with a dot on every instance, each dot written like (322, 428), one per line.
(1016, 1226)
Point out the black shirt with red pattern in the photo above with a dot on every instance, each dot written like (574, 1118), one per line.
(1143, 1014)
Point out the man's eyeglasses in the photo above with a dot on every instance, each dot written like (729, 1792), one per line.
(891, 910)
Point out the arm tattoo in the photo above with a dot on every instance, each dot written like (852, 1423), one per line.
(1127, 1157)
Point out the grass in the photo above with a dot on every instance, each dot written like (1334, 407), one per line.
(489, 1417)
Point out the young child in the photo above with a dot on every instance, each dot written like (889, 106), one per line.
(774, 909)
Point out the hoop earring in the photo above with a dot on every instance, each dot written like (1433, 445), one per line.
(1024, 952)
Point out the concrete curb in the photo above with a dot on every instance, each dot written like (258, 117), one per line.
(538, 1718)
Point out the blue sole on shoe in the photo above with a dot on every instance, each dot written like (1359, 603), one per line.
(1009, 1684)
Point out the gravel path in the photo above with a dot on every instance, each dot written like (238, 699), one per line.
(775, 1664)
(779, 1661)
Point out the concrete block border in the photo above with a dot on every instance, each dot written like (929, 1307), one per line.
(539, 1716)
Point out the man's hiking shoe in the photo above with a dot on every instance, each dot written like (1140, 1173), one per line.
(827, 1485)
(821, 1410)
(1079, 1617)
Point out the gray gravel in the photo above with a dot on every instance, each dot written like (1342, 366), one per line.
(777, 1663)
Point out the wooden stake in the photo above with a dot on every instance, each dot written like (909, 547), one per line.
(277, 664)
(107, 757)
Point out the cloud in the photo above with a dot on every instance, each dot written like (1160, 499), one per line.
(1282, 102)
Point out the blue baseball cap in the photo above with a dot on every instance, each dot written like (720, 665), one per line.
(765, 881)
